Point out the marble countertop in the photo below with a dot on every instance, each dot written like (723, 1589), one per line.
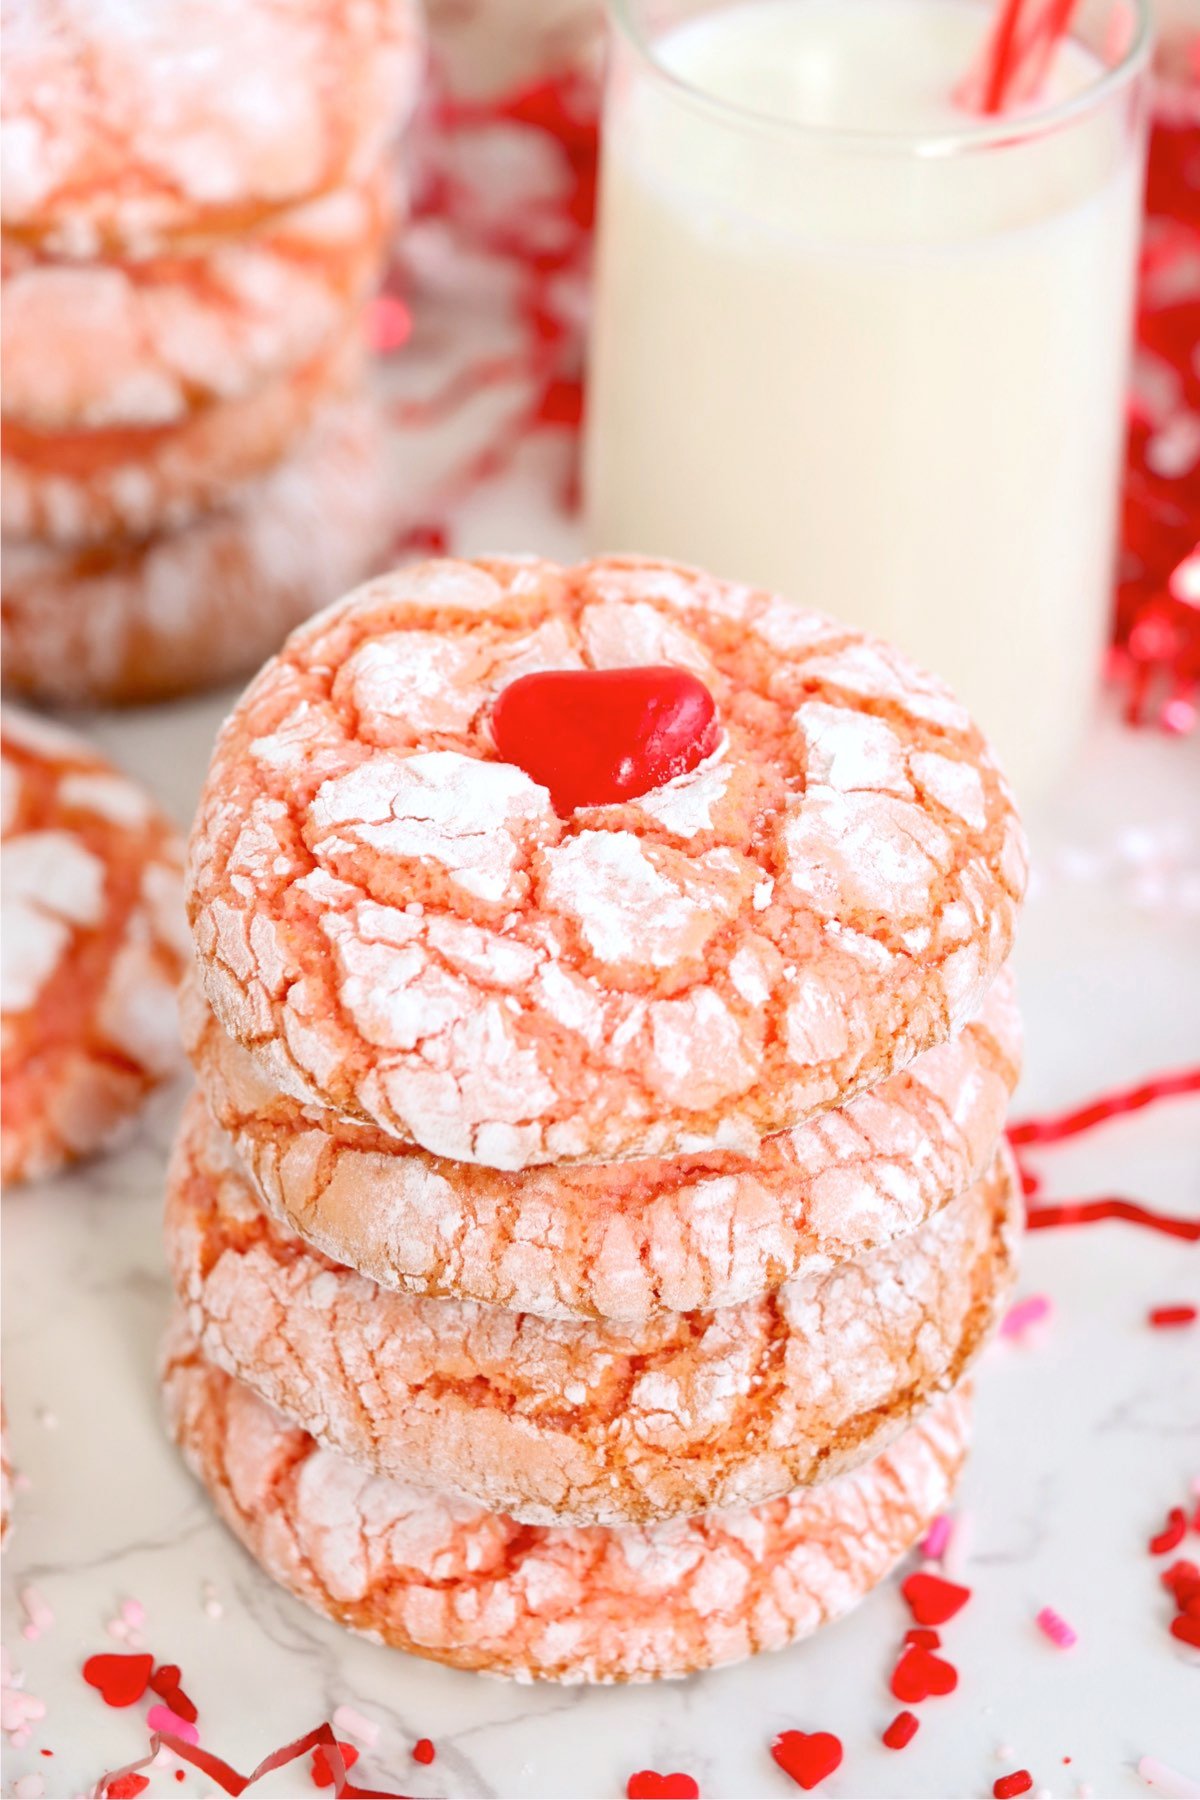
(1085, 1434)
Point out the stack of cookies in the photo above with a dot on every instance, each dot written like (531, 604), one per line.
(196, 203)
(595, 1199)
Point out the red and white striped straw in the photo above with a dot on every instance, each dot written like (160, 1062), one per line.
(1018, 53)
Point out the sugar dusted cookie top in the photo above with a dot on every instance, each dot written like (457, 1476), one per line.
(401, 927)
(130, 122)
(93, 938)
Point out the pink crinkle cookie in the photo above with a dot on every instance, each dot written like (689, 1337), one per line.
(438, 1577)
(581, 1423)
(132, 129)
(401, 928)
(625, 1240)
(92, 948)
(148, 618)
(150, 343)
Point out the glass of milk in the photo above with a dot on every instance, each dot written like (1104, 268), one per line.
(860, 346)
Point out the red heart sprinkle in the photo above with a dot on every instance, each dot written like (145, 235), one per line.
(596, 737)
(120, 1680)
(931, 1599)
(1182, 1579)
(648, 1784)
(919, 1674)
(924, 1637)
(901, 1731)
(1171, 1534)
(1187, 1630)
(126, 1787)
(1006, 1786)
(807, 1756)
(323, 1776)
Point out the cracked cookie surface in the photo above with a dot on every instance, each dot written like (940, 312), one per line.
(132, 129)
(438, 1577)
(626, 1240)
(560, 1422)
(399, 927)
(93, 945)
(164, 615)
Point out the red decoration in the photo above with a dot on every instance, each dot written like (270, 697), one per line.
(807, 1756)
(902, 1730)
(1163, 1317)
(596, 737)
(1187, 1630)
(322, 1773)
(1172, 1533)
(932, 1599)
(1007, 1786)
(423, 1750)
(120, 1680)
(647, 1784)
(127, 1787)
(165, 1683)
(920, 1675)
(1182, 1580)
(231, 1782)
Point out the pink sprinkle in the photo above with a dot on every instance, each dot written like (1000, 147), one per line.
(937, 1537)
(133, 1613)
(37, 1612)
(1056, 1628)
(161, 1718)
(1168, 1781)
(1026, 1313)
(356, 1726)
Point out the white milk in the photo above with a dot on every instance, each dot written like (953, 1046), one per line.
(861, 363)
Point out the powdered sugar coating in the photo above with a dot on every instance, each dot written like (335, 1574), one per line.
(577, 1422)
(91, 948)
(87, 487)
(622, 1240)
(126, 126)
(597, 1012)
(438, 1577)
(147, 344)
(188, 609)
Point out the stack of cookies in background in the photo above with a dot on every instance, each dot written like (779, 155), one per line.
(595, 1198)
(196, 203)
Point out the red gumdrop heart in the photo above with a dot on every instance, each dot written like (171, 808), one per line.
(120, 1680)
(807, 1756)
(931, 1599)
(648, 1784)
(919, 1674)
(596, 737)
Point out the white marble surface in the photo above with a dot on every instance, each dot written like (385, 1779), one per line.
(1083, 1439)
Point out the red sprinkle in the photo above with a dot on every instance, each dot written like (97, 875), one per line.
(924, 1637)
(1172, 1315)
(648, 1784)
(322, 1774)
(807, 1756)
(1019, 1782)
(125, 1787)
(1171, 1534)
(932, 1599)
(919, 1674)
(1183, 1580)
(1186, 1629)
(423, 1750)
(119, 1680)
(165, 1683)
(902, 1730)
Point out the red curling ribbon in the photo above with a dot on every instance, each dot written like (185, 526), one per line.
(231, 1782)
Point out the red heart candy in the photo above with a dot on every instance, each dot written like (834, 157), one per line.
(931, 1599)
(920, 1673)
(807, 1756)
(121, 1680)
(648, 1784)
(596, 737)
(322, 1773)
